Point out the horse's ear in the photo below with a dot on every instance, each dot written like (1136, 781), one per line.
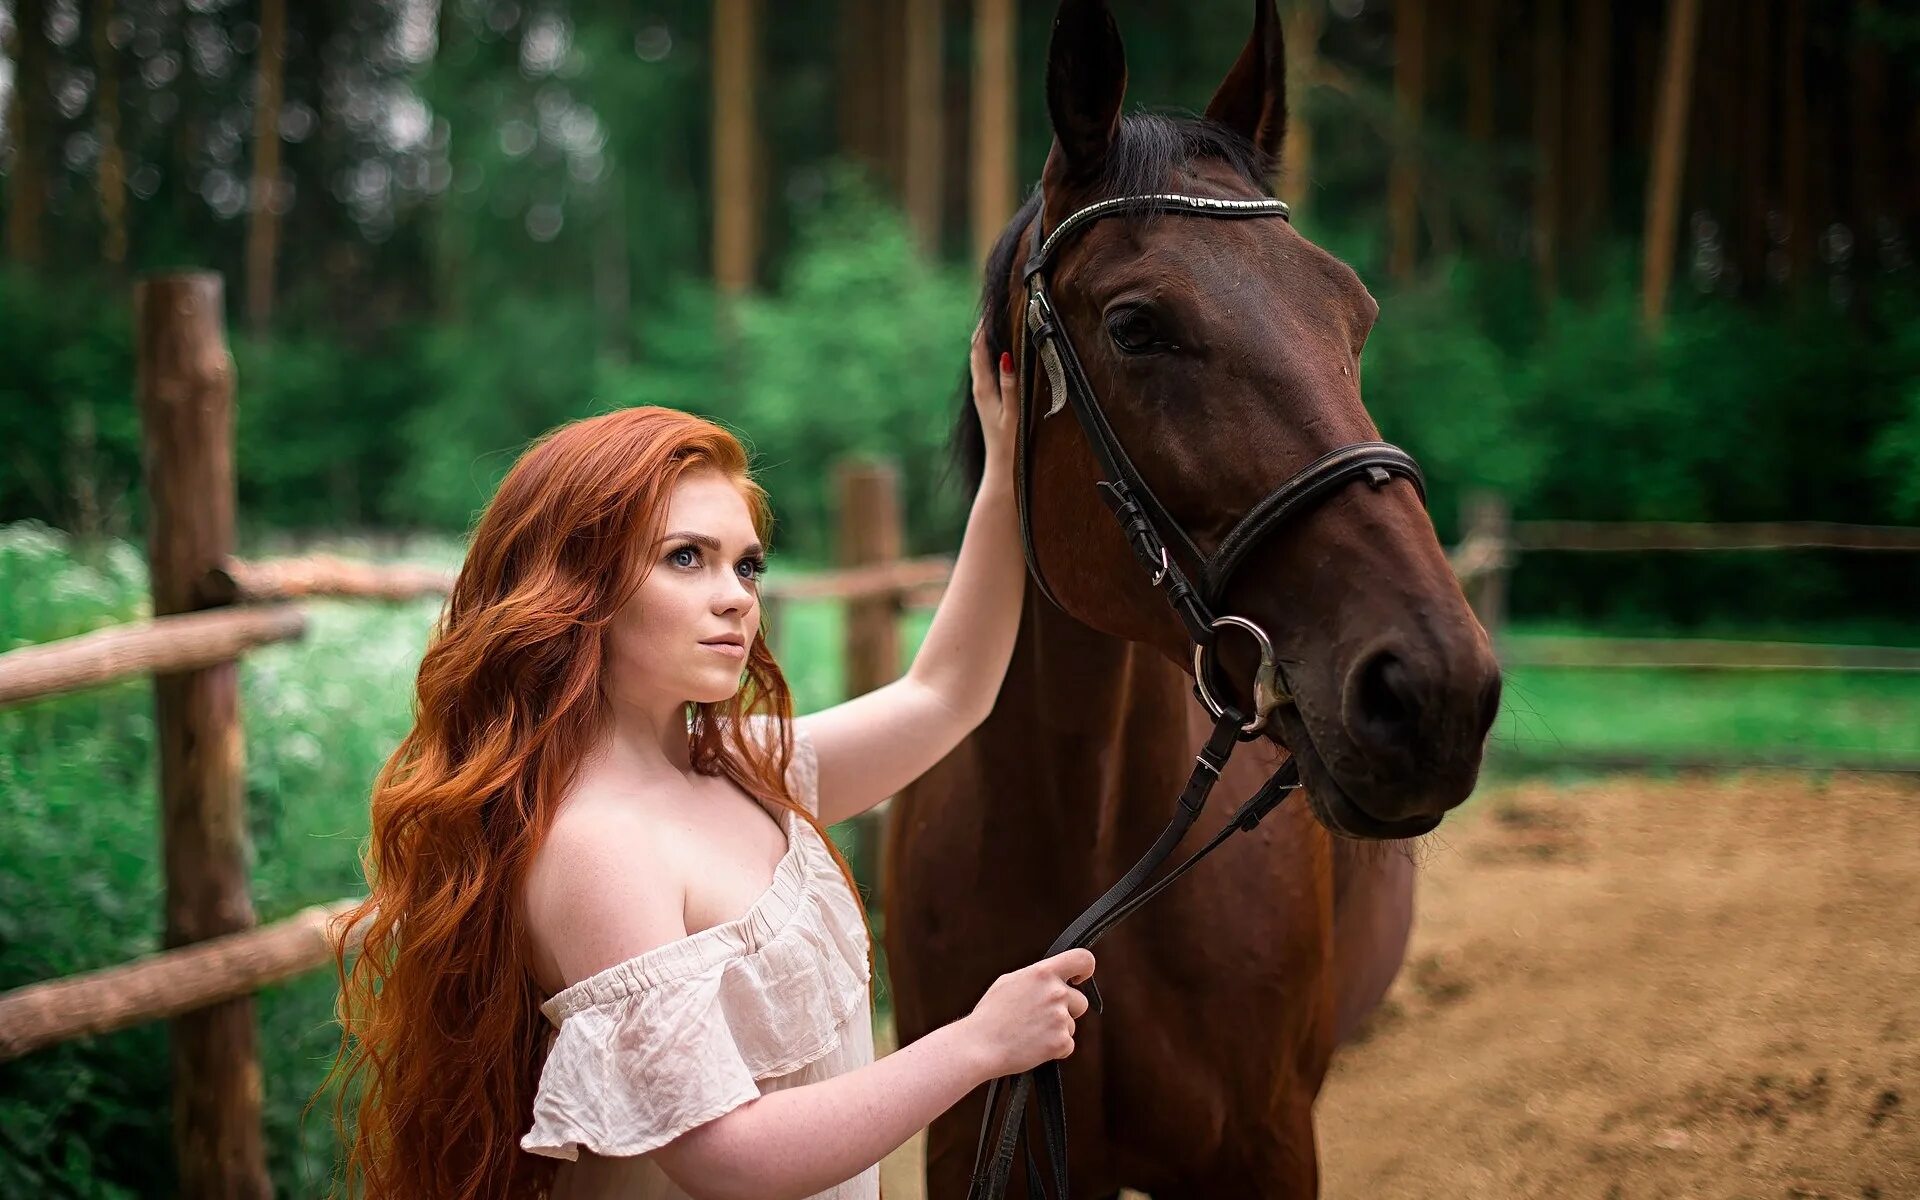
(1086, 81)
(1252, 100)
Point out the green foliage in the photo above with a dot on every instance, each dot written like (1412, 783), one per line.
(67, 425)
(1792, 413)
(861, 350)
(80, 886)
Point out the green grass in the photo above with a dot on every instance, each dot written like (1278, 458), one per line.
(79, 852)
(1829, 713)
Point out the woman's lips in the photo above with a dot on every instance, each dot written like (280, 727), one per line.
(731, 649)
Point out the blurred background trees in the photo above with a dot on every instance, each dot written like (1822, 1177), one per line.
(448, 226)
(1648, 261)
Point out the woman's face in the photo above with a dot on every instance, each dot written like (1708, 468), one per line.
(685, 633)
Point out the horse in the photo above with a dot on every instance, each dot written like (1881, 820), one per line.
(1226, 355)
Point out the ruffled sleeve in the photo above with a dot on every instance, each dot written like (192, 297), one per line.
(627, 1077)
(659, 1044)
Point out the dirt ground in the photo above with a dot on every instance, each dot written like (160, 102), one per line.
(1639, 988)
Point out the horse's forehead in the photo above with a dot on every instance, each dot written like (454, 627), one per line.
(1216, 256)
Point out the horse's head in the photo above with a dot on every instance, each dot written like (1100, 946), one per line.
(1225, 354)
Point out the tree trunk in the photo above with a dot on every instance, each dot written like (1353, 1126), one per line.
(1867, 204)
(28, 132)
(1753, 122)
(860, 100)
(111, 177)
(922, 105)
(1590, 128)
(735, 218)
(1302, 21)
(1409, 92)
(1549, 61)
(263, 223)
(1669, 159)
(1481, 69)
(995, 161)
(1796, 186)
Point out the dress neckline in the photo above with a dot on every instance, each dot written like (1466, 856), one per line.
(702, 949)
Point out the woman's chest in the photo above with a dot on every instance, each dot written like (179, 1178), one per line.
(730, 848)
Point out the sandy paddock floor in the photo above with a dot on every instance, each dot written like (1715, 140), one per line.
(1644, 988)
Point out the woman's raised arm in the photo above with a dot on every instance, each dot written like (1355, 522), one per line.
(873, 745)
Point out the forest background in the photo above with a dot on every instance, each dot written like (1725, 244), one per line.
(449, 226)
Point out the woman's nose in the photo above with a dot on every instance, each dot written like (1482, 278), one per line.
(734, 596)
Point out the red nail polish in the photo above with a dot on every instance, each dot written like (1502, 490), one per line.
(1006, 362)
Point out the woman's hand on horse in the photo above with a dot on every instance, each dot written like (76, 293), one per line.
(997, 403)
(1026, 1018)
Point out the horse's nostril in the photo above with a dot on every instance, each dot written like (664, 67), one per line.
(1489, 704)
(1386, 703)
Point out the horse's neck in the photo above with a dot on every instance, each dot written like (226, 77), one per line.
(1082, 707)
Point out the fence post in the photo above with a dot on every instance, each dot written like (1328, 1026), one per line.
(870, 532)
(1489, 528)
(184, 385)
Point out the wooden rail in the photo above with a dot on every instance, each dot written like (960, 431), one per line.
(162, 646)
(165, 985)
(871, 581)
(237, 582)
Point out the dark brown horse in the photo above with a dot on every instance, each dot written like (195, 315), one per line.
(1227, 356)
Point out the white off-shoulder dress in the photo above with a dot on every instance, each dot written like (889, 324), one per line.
(649, 1048)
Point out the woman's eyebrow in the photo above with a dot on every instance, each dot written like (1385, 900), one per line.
(753, 549)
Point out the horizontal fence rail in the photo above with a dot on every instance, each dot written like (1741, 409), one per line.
(166, 984)
(162, 646)
(320, 575)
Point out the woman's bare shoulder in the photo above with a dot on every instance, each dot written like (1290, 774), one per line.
(601, 888)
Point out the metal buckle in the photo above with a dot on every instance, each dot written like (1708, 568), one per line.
(1165, 566)
(1267, 692)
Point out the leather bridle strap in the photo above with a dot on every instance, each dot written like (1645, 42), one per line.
(992, 1167)
(1376, 462)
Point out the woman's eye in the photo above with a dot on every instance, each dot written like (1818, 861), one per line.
(1134, 331)
(685, 556)
(752, 568)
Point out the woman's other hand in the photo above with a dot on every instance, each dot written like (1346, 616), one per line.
(997, 403)
(1027, 1017)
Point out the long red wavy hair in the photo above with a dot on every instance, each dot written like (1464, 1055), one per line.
(442, 1039)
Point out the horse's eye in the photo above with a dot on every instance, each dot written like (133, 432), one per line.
(1134, 331)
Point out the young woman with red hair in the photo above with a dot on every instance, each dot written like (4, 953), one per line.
(609, 949)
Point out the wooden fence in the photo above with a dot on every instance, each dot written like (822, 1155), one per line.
(210, 607)
(1493, 543)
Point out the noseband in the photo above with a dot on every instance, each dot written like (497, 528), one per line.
(1174, 562)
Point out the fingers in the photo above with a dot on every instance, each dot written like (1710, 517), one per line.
(1074, 966)
(981, 365)
(1077, 1003)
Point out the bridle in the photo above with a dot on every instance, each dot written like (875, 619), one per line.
(1167, 552)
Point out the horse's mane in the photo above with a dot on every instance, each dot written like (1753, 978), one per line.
(1148, 148)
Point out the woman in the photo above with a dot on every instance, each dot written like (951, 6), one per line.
(609, 950)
